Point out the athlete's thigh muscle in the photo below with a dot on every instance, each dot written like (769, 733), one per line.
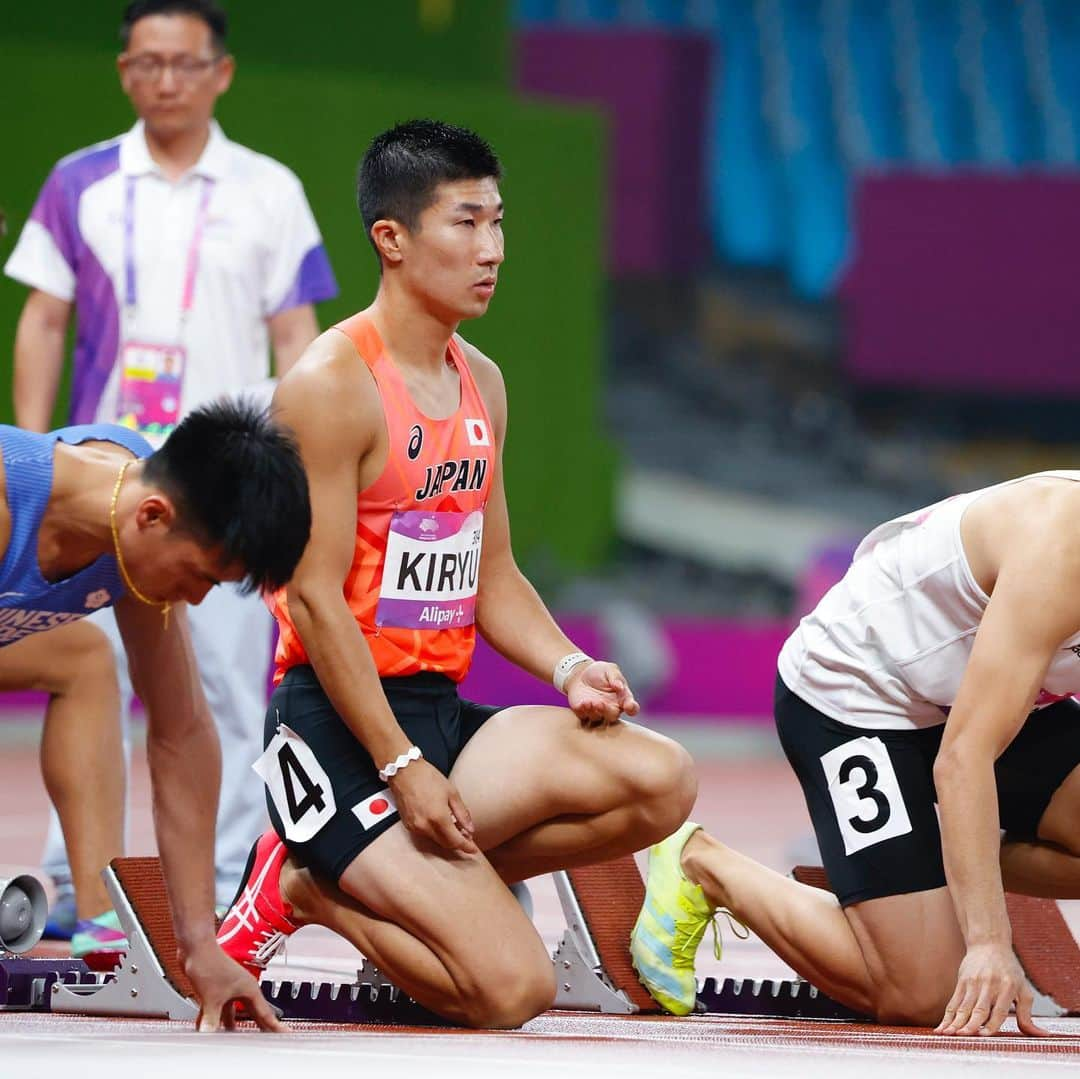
(913, 947)
(455, 903)
(1061, 822)
(529, 764)
(49, 661)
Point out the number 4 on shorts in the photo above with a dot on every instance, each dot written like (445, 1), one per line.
(865, 793)
(301, 790)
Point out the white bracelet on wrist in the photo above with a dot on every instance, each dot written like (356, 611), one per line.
(411, 754)
(565, 666)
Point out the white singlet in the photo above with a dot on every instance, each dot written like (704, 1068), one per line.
(887, 646)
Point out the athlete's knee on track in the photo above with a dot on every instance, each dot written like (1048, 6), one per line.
(507, 992)
(921, 1004)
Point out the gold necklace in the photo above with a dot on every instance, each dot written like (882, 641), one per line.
(165, 606)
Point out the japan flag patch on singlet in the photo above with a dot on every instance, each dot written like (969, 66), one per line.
(379, 807)
(477, 432)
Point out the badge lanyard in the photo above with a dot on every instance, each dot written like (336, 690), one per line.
(187, 296)
(152, 374)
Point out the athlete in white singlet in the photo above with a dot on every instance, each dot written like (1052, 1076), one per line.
(940, 670)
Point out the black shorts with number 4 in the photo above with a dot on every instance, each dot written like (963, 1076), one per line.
(324, 794)
(871, 793)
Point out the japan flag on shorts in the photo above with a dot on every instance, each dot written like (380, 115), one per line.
(477, 432)
(380, 806)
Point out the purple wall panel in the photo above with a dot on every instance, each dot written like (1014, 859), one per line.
(653, 88)
(722, 669)
(966, 282)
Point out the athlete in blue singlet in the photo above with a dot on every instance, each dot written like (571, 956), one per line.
(89, 517)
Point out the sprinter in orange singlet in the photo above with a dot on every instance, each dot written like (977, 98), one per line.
(401, 812)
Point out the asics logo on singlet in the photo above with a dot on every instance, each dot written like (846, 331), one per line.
(467, 474)
(1075, 649)
(416, 442)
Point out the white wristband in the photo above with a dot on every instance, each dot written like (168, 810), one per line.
(565, 666)
(412, 754)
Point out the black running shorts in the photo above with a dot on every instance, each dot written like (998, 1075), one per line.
(324, 794)
(871, 796)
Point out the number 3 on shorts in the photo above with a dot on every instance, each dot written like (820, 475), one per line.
(866, 796)
(296, 781)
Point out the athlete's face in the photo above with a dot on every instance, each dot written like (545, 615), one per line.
(452, 258)
(167, 563)
(173, 74)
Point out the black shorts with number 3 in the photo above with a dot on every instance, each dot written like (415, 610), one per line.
(429, 711)
(876, 823)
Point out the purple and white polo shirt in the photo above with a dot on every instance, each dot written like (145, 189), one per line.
(260, 254)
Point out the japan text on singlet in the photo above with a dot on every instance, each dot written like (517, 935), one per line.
(888, 645)
(419, 528)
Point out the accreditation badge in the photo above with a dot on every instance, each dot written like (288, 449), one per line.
(151, 378)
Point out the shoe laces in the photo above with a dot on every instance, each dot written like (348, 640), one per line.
(688, 935)
(266, 945)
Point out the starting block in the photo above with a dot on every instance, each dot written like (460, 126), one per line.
(592, 963)
(26, 984)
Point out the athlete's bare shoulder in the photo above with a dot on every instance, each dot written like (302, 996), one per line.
(330, 390)
(489, 381)
(1033, 521)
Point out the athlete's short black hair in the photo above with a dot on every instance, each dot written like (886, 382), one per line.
(206, 10)
(237, 481)
(402, 168)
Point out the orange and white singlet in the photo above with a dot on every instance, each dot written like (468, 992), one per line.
(419, 528)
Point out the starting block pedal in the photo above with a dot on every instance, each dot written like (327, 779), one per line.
(149, 982)
(592, 960)
(601, 903)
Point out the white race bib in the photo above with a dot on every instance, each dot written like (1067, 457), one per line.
(297, 783)
(865, 793)
(431, 570)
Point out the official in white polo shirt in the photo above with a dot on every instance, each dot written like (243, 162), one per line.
(187, 259)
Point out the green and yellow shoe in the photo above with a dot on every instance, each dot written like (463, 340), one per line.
(669, 928)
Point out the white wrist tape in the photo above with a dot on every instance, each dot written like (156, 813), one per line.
(565, 666)
(411, 754)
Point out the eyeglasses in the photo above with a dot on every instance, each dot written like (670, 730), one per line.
(149, 68)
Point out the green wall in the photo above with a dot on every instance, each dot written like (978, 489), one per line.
(459, 41)
(545, 325)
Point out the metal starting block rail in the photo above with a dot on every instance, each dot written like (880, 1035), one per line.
(26, 984)
(592, 964)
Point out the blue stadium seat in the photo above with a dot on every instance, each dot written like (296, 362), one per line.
(535, 11)
(804, 130)
(939, 127)
(1063, 36)
(744, 184)
(663, 14)
(1004, 119)
(589, 11)
(867, 37)
(818, 231)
